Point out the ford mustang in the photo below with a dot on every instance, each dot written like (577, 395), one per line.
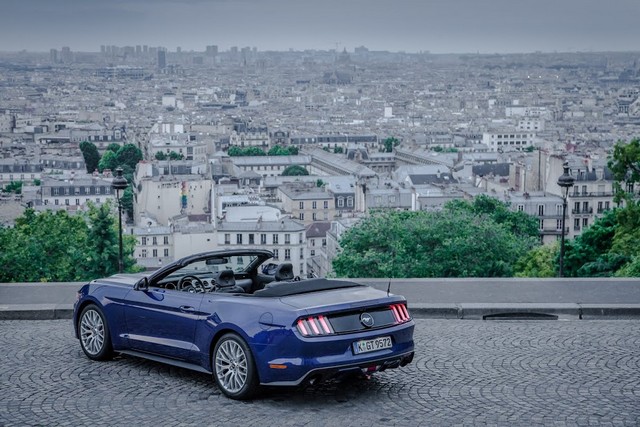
(247, 320)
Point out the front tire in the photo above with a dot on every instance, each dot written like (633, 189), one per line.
(93, 332)
(234, 368)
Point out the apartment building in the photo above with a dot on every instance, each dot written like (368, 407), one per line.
(547, 208)
(53, 163)
(246, 135)
(74, 193)
(307, 202)
(167, 137)
(268, 165)
(285, 238)
(316, 234)
(508, 140)
(389, 197)
(165, 190)
(530, 124)
(591, 195)
(13, 170)
(154, 246)
(331, 142)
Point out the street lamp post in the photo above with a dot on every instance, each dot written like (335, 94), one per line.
(565, 182)
(119, 183)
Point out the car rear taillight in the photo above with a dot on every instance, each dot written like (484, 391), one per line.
(400, 313)
(314, 326)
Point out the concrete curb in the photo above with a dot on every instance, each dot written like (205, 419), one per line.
(36, 311)
(514, 311)
(471, 311)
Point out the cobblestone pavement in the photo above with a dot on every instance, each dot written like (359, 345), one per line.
(465, 373)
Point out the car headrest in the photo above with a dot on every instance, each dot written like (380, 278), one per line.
(284, 271)
(226, 278)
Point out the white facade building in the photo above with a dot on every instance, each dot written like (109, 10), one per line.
(285, 238)
(165, 190)
(508, 140)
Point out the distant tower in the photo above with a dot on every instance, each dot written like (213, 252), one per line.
(212, 50)
(53, 56)
(162, 59)
(65, 55)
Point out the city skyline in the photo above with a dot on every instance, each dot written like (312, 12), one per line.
(457, 26)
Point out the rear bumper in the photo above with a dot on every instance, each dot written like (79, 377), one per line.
(319, 375)
(297, 360)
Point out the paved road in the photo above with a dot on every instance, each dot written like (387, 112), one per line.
(465, 372)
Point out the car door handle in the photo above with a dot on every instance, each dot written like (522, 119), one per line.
(187, 308)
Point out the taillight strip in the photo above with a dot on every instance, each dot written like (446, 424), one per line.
(302, 328)
(400, 313)
(396, 315)
(325, 325)
(314, 326)
(405, 311)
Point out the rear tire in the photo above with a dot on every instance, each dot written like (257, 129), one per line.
(93, 332)
(233, 368)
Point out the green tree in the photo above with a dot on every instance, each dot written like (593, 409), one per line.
(449, 243)
(108, 161)
(278, 150)
(127, 201)
(55, 246)
(160, 156)
(295, 170)
(626, 240)
(14, 187)
(234, 151)
(128, 156)
(113, 147)
(624, 163)
(48, 246)
(103, 245)
(589, 254)
(389, 143)
(520, 223)
(254, 151)
(90, 155)
(538, 262)
(338, 150)
(247, 151)
(630, 269)
(175, 156)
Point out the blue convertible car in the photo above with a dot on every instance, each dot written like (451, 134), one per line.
(246, 320)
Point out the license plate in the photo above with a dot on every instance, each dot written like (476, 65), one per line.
(365, 346)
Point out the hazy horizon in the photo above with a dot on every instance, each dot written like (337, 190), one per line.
(438, 26)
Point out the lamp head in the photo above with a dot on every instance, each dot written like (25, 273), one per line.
(119, 182)
(566, 181)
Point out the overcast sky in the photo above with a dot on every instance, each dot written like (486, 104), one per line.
(439, 26)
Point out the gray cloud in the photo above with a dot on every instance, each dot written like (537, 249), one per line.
(410, 25)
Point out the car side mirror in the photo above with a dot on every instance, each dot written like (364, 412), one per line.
(142, 285)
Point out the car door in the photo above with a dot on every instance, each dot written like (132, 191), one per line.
(163, 322)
